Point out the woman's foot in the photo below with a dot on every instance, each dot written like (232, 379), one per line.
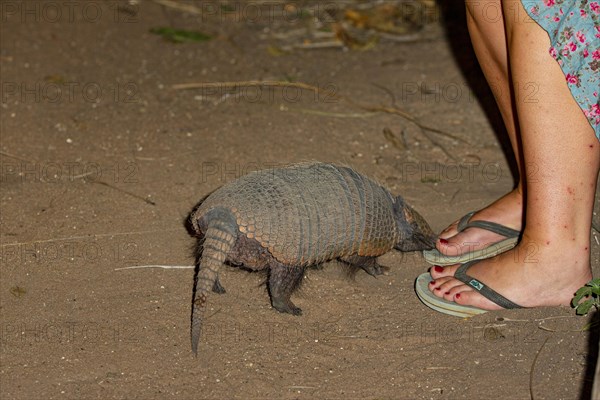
(507, 211)
(561, 159)
(533, 274)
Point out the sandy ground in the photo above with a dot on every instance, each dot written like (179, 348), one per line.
(102, 160)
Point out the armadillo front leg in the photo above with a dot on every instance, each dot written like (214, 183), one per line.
(368, 264)
(283, 280)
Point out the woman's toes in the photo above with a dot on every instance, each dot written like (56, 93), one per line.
(441, 272)
(451, 230)
(466, 296)
(442, 286)
(448, 288)
(458, 288)
(435, 284)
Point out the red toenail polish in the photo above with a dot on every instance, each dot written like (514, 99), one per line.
(447, 293)
(457, 295)
(437, 268)
(437, 288)
(443, 241)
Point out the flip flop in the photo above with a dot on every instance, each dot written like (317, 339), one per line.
(451, 308)
(512, 237)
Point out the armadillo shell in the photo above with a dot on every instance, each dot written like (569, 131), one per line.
(309, 213)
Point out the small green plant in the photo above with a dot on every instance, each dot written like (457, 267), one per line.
(180, 35)
(591, 291)
(428, 179)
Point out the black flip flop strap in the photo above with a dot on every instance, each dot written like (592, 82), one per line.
(465, 222)
(486, 291)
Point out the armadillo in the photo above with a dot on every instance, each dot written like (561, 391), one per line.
(287, 219)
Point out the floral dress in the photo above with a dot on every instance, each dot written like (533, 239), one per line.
(574, 30)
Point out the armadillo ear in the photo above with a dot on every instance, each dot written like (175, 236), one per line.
(403, 209)
(399, 203)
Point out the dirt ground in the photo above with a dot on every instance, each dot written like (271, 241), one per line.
(102, 160)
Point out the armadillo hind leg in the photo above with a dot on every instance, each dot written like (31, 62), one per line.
(283, 281)
(368, 264)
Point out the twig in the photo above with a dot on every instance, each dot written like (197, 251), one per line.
(178, 6)
(157, 266)
(235, 85)
(546, 329)
(305, 86)
(90, 236)
(333, 114)
(315, 45)
(83, 175)
(533, 367)
(406, 115)
(414, 37)
(145, 199)
(388, 91)
(13, 156)
(501, 319)
(390, 137)
(454, 196)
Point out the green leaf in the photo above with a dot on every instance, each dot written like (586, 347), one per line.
(585, 291)
(180, 35)
(591, 292)
(584, 307)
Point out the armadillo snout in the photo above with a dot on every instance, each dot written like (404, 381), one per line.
(419, 235)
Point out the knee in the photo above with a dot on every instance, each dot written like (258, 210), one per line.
(483, 13)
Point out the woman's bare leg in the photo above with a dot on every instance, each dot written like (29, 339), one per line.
(562, 159)
(486, 27)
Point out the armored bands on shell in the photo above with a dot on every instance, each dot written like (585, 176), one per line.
(285, 219)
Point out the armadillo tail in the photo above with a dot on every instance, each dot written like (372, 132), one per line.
(219, 238)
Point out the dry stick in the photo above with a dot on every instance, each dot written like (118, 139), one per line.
(390, 137)
(387, 91)
(407, 116)
(305, 86)
(333, 114)
(157, 266)
(86, 174)
(533, 367)
(147, 200)
(181, 7)
(13, 156)
(89, 236)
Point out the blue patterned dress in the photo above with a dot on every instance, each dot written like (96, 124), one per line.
(574, 30)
